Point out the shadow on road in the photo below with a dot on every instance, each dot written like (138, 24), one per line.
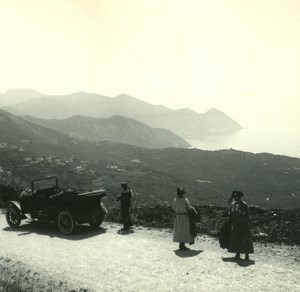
(125, 232)
(187, 253)
(240, 262)
(51, 230)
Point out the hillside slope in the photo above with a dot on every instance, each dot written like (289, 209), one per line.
(267, 180)
(115, 129)
(14, 129)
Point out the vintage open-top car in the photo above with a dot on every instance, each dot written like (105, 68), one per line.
(45, 201)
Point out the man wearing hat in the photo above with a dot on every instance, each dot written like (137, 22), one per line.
(126, 204)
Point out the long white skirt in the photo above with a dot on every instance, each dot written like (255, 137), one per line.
(181, 232)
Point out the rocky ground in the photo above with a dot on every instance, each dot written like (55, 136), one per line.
(36, 257)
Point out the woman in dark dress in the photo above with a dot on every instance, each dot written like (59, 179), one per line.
(240, 239)
(225, 231)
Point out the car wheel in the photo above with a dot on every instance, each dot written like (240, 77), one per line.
(96, 221)
(13, 216)
(66, 222)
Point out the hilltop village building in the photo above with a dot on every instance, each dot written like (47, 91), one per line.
(79, 169)
(3, 145)
(16, 156)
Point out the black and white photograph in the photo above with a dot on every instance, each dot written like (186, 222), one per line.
(149, 145)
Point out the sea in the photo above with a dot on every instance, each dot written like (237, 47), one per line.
(279, 141)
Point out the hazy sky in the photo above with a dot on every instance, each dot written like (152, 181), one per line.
(240, 56)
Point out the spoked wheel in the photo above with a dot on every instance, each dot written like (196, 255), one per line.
(13, 216)
(96, 221)
(66, 222)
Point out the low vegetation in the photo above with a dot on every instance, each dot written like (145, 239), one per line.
(10, 286)
(268, 225)
(268, 181)
(16, 276)
(281, 226)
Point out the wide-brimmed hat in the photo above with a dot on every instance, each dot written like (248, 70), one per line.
(239, 194)
(180, 191)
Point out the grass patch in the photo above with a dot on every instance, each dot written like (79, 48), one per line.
(276, 225)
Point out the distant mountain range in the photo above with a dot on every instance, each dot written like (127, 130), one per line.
(184, 122)
(115, 129)
(13, 96)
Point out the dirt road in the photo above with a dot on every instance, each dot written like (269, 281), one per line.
(145, 260)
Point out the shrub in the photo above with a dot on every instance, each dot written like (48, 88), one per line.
(7, 192)
(266, 225)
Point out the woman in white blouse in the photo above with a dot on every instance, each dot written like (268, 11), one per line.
(182, 230)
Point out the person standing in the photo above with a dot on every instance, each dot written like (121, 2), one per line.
(225, 232)
(240, 239)
(126, 205)
(182, 228)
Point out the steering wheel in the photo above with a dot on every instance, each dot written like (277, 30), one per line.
(56, 189)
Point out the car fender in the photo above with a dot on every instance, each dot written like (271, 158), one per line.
(18, 205)
(15, 203)
(103, 208)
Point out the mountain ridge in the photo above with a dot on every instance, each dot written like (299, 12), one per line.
(116, 129)
(185, 123)
(13, 96)
(14, 129)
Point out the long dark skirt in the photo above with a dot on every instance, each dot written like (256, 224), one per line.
(224, 235)
(240, 238)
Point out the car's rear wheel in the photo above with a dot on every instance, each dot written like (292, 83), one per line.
(96, 221)
(13, 216)
(66, 222)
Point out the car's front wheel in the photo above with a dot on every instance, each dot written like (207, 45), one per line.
(66, 222)
(13, 216)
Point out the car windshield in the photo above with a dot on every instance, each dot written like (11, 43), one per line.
(45, 183)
